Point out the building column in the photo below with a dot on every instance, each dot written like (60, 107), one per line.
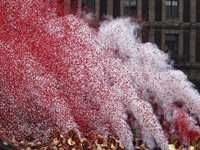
(66, 5)
(97, 10)
(163, 40)
(79, 6)
(163, 11)
(139, 16)
(192, 11)
(139, 8)
(152, 35)
(192, 46)
(152, 11)
(110, 7)
(181, 10)
(121, 7)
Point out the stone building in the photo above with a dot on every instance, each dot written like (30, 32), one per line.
(174, 25)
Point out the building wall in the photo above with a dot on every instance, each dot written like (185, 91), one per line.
(156, 31)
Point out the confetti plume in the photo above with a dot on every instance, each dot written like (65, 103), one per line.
(58, 73)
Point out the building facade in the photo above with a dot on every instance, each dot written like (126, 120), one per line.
(174, 25)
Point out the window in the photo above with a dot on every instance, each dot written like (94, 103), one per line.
(103, 9)
(186, 10)
(198, 46)
(89, 5)
(145, 10)
(171, 8)
(171, 46)
(116, 8)
(186, 46)
(74, 6)
(145, 35)
(158, 10)
(158, 35)
(198, 11)
(130, 7)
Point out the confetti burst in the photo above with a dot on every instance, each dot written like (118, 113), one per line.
(57, 72)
